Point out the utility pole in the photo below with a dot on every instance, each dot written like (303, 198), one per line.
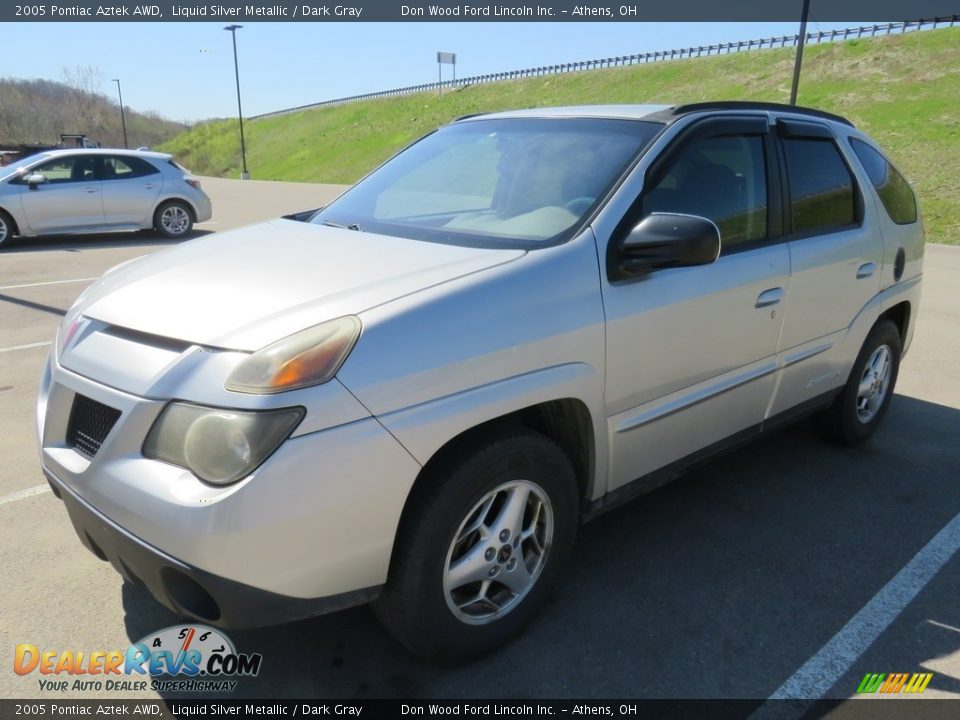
(244, 175)
(799, 59)
(123, 119)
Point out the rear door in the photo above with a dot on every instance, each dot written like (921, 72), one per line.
(835, 259)
(69, 199)
(131, 186)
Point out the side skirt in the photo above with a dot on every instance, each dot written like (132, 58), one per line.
(660, 477)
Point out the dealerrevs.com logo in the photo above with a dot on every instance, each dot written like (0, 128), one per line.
(180, 658)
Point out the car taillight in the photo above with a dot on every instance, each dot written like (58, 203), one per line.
(192, 183)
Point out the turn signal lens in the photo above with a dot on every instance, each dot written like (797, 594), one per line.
(310, 357)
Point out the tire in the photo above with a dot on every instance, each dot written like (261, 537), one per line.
(856, 413)
(438, 614)
(6, 228)
(173, 220)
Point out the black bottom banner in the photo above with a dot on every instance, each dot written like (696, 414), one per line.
(857, 709)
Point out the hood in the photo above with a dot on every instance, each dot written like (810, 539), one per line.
(247, 288)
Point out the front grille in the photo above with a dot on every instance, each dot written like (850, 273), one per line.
(90, 423)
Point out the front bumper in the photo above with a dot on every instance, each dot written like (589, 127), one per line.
(189, 590)
(312, 529)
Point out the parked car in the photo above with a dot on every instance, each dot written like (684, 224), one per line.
(414, 397)
(95, 191)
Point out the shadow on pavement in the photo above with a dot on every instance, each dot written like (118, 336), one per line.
(720, 584)
(75, 243)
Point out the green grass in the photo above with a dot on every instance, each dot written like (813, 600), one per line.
(904, 90)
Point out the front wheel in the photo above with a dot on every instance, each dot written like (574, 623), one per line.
(6, 228)
(173, 220)
(480, 548)
(858, 410)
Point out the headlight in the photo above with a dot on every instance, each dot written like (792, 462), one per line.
(218, 446)
(309, 357)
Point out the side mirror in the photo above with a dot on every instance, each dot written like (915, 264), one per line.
(35, 179)
(664, 240)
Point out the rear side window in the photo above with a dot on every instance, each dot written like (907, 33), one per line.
(125, 167)
(893, 189)
(822, 195)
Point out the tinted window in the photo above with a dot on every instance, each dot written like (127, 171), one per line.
(720, 178)
(821, 187)
(124, 167)
(68, 169)
(893, 189)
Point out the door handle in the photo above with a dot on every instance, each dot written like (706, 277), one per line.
(769, 297)
(150, 186)
(866, 270)
(90, 189)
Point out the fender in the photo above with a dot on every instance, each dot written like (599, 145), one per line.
(424, 429)
(849, 344)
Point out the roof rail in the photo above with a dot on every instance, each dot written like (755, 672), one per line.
(748, 105)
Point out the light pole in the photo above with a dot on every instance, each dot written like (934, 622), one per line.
(244, 175)
(123, 119)
(805, 13)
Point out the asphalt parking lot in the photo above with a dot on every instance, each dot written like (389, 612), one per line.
(790, 567)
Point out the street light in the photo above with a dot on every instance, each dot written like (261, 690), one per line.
(244, 175)
(123, 119)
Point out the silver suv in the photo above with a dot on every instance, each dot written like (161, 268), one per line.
(413, 396)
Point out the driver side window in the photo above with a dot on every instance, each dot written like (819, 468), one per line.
(721, 178)
(67, 169)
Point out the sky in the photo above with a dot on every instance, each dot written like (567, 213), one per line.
(184, 71)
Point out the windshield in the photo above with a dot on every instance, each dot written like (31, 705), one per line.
(511, 182)
(12, 168)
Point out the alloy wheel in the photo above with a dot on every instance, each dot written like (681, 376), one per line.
(498, 552)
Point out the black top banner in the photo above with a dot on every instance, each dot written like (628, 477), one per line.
(478, 11)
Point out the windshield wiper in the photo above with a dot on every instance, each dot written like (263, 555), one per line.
(331, 223)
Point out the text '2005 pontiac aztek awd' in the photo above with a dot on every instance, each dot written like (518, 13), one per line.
(412, 396)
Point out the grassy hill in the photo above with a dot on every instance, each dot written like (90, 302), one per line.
(904, 90)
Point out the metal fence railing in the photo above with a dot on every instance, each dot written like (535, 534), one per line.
(640, 59)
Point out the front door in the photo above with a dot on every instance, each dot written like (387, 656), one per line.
(691, 352)
(69, 198)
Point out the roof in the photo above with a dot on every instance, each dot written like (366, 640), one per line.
(54, 152)
(659, 113)
(626, 112)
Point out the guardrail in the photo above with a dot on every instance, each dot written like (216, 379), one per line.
(640, 59)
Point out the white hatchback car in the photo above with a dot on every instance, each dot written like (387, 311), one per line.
(66, 192)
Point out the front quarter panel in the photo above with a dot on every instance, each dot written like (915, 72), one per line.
(442, 361)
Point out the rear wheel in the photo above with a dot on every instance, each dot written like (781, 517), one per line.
(481, 547)
(858, 410)
(6, 228)
(173, 220)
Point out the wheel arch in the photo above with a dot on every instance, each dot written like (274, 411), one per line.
(174, 198)
(13, 221)
(566, 421)
(900, 315)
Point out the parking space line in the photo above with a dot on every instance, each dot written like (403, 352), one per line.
(49, 282)
(24, 494)
(834, 660)
(26, 347)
